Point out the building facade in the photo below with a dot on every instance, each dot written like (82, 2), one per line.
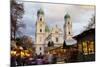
(54, 36)
(86, 45)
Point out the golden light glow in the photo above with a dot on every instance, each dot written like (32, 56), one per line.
(88, 47)
(13, 52)
(85, 48)
(22, 54)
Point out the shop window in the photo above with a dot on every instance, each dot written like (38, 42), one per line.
(91, 48)
(80, 47)
(85, 51)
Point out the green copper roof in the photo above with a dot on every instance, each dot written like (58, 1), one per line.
(47, 29)
(40, 11)
(66, 16)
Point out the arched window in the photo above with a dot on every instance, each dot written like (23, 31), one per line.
(49, 44)
(56, 39)
(40, 48)
(40, 30)
(68, 22)
(40, 19)
(52, 43)
(69, 32)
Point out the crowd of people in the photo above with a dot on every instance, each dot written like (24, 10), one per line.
(33, 60)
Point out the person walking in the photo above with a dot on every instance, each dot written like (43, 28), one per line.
(50, 58)
(54, 59)
(13, 61)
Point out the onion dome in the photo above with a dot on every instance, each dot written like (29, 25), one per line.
(66, 16)
(40, 12)
(47, 29)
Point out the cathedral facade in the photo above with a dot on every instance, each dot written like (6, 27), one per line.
(45, 37)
